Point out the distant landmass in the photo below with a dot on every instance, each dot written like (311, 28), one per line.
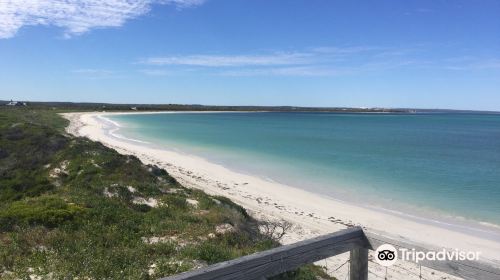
(88, 106)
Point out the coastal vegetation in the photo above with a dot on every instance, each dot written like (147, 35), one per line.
(74, 208)
(69, 106)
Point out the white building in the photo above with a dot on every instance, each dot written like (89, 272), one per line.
(16, 103)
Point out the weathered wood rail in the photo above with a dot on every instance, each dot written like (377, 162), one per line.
(354, 240)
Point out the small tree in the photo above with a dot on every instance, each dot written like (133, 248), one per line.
(275, 229)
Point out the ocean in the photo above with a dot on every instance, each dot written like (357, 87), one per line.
(442, 165)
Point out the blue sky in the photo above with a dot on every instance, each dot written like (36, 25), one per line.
(428, 54)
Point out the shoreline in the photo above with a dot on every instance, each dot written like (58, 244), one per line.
(439, 218)
(312, 214)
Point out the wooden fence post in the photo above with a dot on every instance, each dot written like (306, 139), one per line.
(358, 266)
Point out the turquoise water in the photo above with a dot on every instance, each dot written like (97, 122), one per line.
(390, 160)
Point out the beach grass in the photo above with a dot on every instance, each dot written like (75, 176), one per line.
(71, 207)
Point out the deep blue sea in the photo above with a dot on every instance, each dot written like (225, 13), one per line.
(445, 165)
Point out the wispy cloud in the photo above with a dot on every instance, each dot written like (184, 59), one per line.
(468, 63)
(94, 74)
(230, 60)
(310, 56)
(93, 71)
(325, 61)
(75, 16)
(322, 70)
(155, 72)
(300, 71)
(318, 61)
(346, 50)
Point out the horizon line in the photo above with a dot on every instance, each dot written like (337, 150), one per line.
(256, 106)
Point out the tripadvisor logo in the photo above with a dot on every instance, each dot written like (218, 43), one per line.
(386, 255)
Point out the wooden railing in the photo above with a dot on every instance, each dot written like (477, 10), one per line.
(354, 240)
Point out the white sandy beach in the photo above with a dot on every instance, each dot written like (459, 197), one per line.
(310, 213)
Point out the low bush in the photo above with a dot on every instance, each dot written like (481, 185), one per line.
(45, 210)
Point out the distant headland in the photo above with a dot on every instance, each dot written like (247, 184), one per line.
(90, 106)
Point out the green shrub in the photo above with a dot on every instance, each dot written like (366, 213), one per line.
(307, 272)
(226, 202)
(212, 253)
(46, 210)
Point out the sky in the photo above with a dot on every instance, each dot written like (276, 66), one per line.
(418, 54)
